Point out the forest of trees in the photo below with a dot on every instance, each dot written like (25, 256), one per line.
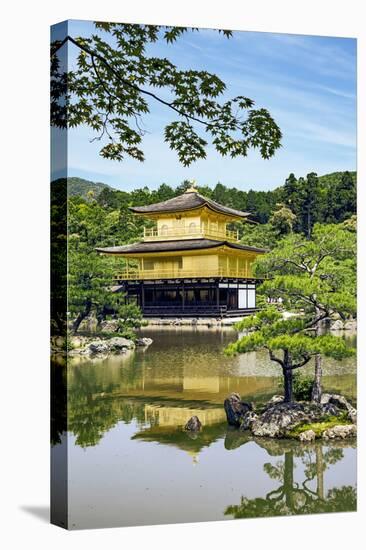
(296, 205)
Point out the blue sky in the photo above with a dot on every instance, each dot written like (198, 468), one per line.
(308, 83)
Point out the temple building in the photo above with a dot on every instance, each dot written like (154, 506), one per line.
(190, 263)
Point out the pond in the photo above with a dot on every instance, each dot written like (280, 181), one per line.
(130, 462)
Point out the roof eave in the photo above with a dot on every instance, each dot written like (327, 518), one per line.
(148, 213)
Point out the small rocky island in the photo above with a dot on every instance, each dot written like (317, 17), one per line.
(333, 417)
(96, 345)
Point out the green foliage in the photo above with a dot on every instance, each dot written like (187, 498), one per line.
(252, 342)
(316, 274)
(59, 234)
(342, 198)
(129, 319)
(116, 80)
(325, 199)
(90, 275)
(89, 291)
(261, 318)
(260, 235)
(283, 219)
(302, 386)
(277, 338)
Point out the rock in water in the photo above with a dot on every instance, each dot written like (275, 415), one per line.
(248, 419)
(307, 436)
(278, 418)
(143, 342)
(235, 409)
(341, 431)
(118, 343)
(275, 399)
(193, 424)
(97, 347)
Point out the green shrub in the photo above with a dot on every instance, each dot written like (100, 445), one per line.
(302, 386)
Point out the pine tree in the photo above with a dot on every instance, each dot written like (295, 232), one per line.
(316, 280)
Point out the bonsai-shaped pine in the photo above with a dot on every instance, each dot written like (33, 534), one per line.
(116, 80)
(288, 342)
(315, 279)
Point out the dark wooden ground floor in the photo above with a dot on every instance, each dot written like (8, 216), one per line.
(216, 297)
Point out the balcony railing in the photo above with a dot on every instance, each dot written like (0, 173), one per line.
(152, 274)
(155, 234)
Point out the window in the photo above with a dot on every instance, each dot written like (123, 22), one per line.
(164, 229)
(251, 297)
(193, 227)
(148, 264)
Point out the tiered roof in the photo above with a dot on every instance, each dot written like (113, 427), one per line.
(190, 200)
(175, 246)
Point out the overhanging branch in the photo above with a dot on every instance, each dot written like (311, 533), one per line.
(273, 357)
(122, 80)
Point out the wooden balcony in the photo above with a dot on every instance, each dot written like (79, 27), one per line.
(153, 234)
(145, 274)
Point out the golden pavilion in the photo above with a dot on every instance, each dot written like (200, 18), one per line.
(190, 263)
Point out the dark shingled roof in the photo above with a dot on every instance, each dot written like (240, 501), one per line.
(187, 201)
(172, 246)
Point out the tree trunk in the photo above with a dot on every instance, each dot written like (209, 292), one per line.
(316, 391)
(288, 479)
(80, 318)
(287, 384)
(287, 377)
(319, 471)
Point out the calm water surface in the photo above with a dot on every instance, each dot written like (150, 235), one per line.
(130, 462)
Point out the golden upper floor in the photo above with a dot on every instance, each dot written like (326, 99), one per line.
(190, 216)
(190, 227)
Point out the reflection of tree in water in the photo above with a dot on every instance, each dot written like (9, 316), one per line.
(92, 409)
(58, 402)
(292, 497)
(97, 401)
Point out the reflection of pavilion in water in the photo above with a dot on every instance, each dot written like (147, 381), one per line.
(178, 416)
